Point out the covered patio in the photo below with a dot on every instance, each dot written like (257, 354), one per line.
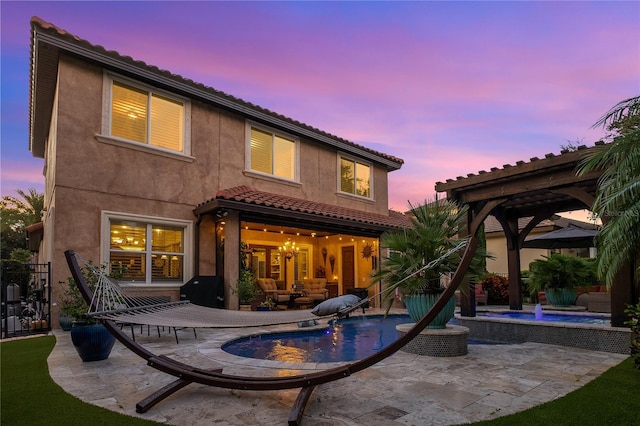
(536, 189)
(289, 240)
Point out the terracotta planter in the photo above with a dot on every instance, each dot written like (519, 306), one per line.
(419, 304)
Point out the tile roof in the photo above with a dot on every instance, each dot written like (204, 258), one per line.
(248, 195)
(223, 99)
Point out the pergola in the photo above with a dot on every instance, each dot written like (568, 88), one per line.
(536, 189)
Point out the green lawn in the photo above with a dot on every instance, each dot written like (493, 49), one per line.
(30, 396)
(610, 399)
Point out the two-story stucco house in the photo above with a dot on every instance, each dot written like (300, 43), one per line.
(173, 180)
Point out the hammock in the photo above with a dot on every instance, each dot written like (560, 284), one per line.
(306, 382)
(111, 302)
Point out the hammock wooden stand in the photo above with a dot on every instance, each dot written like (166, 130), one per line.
(187, 374)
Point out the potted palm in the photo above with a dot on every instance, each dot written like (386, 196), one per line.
(430, 235)
(559, 276)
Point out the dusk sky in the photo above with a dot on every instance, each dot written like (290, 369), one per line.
(450, 87)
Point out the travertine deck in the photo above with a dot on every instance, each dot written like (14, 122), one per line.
(488, 382)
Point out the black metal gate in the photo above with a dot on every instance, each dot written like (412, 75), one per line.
(26, 299)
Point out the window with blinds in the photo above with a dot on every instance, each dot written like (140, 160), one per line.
(146, 252)
(272, 154)
(355, 177)
(146, 117)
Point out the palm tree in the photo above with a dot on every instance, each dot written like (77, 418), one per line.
(16, 214)
(29, 211)
(618, 192)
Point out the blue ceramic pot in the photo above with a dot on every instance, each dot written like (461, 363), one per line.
(65, 322)
(419, 304)
(92, 342)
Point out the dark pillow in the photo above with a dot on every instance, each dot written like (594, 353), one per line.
(334, 305)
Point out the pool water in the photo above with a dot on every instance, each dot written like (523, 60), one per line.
(567, 318)
(348, 339)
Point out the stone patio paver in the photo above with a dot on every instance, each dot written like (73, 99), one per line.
(404, 389)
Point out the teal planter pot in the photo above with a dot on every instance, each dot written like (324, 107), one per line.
(561, 296)
(65, 322)
(92, 342)
(419, 304)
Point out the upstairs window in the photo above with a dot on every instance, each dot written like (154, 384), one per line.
(355, 177)
(145, 116)
(272, 153)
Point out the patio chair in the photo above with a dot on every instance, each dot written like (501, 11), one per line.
(270, 289)
(481, 295)
(316, 289)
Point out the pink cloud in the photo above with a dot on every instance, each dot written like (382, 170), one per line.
(452, 88)
(21, 175)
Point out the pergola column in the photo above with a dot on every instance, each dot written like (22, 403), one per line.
(513, 263)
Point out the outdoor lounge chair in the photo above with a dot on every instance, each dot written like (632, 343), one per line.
(270, 289)
(316, 289)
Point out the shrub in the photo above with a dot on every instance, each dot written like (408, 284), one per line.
(527, 292)
(246, 288)
(633, 311)
(561, 271)
(497, 288)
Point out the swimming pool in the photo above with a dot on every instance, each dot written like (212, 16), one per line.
(348, 339)
(547, 317)
(578, 330)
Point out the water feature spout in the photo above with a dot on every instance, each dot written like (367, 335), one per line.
(538, 311)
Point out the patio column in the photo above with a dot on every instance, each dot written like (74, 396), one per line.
(513, 263)
(231, 258)
(468, 296)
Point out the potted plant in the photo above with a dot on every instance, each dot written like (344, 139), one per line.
(267, 305)
(559, 276)
(91, 339)
(246, 289)
(430, 235)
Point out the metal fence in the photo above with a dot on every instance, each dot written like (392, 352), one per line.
(26, 299)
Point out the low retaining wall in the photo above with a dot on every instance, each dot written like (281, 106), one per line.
(441, 342)
(592, 337)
